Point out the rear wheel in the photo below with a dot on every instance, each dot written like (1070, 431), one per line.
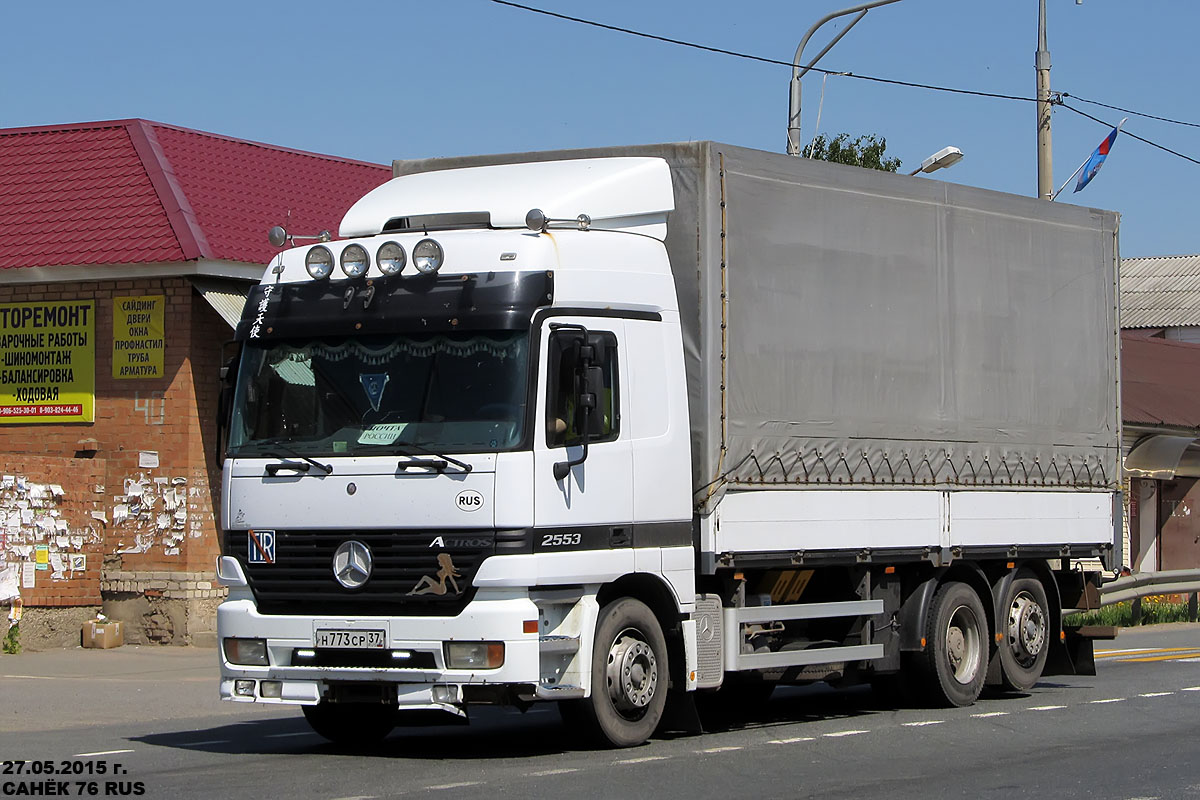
(1026, 632)
(956, 654)
(629, 677)
(351, 723)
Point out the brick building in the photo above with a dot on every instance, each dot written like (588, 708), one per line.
(126, 250)
(1160, 401)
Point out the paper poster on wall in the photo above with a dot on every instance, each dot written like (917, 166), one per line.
(9, 578)
(138, 337)
(47, 362)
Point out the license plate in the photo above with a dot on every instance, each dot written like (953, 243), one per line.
(350, 640)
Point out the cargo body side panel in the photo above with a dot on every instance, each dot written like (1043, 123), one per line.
(854, 327)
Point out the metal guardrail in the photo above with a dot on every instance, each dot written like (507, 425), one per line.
(1132, 588)
(1144, 584)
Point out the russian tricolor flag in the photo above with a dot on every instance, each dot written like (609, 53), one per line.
(1096, 160)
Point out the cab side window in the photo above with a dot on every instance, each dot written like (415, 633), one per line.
(566, 382)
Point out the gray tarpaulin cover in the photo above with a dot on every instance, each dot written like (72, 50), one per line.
(882, 330)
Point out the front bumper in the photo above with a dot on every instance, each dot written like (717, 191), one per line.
(494, 616)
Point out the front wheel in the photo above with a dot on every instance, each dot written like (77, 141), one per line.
(351, 724)
(629, 676)
(956, 654)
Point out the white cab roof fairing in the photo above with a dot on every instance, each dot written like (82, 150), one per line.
(632, 194)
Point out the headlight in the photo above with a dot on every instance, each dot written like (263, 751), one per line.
(474, 655)
(355, 260)
(248, 652)
(427, 256)
(319, 262)
(391, 258)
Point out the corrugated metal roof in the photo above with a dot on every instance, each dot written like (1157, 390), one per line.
(227, 298)
(1160, 292)
(139, 192)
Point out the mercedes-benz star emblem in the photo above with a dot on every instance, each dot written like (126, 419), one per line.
(352, 564)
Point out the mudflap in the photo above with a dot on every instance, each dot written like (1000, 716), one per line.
(1075, 654)
(681, 717)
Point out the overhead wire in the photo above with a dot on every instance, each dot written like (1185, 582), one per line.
(1131, 135)
(1131, 111)
(872, 78)
(760, 59)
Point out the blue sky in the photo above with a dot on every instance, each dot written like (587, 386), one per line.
(379, 80)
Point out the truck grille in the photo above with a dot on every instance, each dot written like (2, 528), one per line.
(301, 581)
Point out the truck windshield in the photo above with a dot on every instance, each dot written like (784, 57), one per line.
(372, 395)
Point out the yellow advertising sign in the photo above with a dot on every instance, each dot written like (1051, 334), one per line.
(47, 361)
(138, 337)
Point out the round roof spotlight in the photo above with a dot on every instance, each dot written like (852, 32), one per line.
(536, 220)
(427, 256)
(391, 258)
(355, 260)
(319, 262)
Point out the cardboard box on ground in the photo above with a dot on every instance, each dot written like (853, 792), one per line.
(102, 634)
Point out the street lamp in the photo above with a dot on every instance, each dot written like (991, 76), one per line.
(946, 157)
(798, 72)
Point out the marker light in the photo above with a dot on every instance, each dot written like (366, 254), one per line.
(427, 256)
(319, 262)
(355, 260)
(391, 258)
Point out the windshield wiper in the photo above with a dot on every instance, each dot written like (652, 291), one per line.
(273, 469)
(409, 449)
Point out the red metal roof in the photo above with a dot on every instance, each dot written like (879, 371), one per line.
(138, 192)
(1160, 381)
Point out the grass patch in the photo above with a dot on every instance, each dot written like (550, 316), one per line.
(1155, 611)
(12, 640)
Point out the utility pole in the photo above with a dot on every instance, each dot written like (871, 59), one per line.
(1045, 170)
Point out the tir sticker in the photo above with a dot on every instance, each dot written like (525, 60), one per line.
(469, 500)
(261, 546)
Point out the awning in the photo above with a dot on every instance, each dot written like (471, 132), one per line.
(227, 297)
(1158, 456)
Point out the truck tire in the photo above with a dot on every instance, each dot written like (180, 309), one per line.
(351, 724)
(1026, 643)
(955, 660)
(629, 677)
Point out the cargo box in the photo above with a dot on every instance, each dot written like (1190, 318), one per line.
(102, 634)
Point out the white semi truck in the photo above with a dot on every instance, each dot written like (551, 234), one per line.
(595, 427)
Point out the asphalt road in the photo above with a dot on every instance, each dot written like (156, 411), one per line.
(1130, 732)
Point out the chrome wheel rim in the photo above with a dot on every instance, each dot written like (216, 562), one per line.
(1026, 629)
(632, 673)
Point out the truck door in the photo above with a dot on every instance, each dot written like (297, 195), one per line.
(580, 436)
